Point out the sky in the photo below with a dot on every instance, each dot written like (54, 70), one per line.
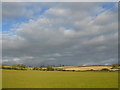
(54, 33)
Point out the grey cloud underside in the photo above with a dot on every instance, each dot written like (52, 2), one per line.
(65, 33)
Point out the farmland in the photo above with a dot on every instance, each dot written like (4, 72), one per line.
(58, 79)
(65, 68)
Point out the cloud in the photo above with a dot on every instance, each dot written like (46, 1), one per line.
(64, 33)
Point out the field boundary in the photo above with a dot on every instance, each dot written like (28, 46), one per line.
(60, 88)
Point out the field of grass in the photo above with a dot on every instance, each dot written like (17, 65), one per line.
(58, 79)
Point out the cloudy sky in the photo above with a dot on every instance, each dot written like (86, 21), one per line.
(69, 33)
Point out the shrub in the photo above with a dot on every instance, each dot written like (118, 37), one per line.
(37, 68)
(21, 66)
(49, 68)
(115, 66)
(104, 69)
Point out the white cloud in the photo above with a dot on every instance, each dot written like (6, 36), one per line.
(58, 11)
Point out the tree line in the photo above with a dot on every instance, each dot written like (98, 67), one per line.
(44, 68)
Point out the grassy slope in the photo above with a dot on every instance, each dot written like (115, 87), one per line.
(0, 79)
(55, 79)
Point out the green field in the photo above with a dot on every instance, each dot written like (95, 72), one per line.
(58, 79)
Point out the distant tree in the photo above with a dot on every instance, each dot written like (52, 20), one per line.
(63, 65)
(37, 68)
(115, 66)
(21, 66)
(50, 68)
(40, 68)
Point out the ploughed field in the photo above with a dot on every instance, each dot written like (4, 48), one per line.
(58, 79)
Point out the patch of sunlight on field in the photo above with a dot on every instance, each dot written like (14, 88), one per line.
(59, 79)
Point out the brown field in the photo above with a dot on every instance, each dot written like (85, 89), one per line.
(86, 67)
(76, 68)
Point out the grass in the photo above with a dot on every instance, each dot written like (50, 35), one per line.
(58, 79)
(1, 79)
